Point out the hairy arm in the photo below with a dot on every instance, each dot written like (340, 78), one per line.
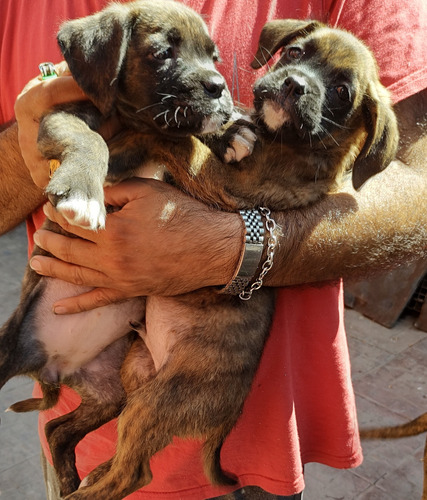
(19, 196)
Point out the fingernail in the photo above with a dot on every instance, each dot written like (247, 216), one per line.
(36, 238)
(59, 310)
(35, 265)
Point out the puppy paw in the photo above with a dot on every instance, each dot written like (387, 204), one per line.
(241, 145)
(88, 214)
(78, 200)
(241, 138)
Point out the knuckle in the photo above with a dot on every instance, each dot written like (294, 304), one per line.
(78, 277)
(101, 297)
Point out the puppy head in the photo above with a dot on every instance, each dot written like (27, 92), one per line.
(153, 61)
(324, 91)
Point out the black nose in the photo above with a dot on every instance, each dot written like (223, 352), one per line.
(213, 87)
(295, 86)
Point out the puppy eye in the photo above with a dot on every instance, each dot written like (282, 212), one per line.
(343, 92)
(294, 53)
(163, 54)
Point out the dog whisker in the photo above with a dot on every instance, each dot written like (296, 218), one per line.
(330, 135)
(320, 139)
(265, 63)
(176, 115)
(166, 96)
(160, 114)
(335, 123)
(147, 107)
(166, 118)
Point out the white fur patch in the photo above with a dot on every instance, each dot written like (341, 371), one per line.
(274, 115)
(84, 213)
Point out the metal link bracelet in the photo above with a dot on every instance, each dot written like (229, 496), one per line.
(242, 283)
(271, 227)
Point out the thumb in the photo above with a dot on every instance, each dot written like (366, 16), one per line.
(125, 192)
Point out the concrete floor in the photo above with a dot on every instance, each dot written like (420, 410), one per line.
(389, 374)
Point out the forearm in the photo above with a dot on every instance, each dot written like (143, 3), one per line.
(19, 196)
(353, 235)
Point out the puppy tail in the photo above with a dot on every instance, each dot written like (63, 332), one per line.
(49, 399)
(412, 428)
(212, 465)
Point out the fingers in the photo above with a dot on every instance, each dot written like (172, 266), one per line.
(34, 101)
(97, 297)
(121, 194)
(48, 266)
(70, 250)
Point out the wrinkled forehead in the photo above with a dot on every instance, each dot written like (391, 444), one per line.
(168, 22)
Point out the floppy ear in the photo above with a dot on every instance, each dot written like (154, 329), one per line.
(278, 33)
(383, 135)
(94, 48)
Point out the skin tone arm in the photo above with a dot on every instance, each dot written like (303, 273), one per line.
(19, 196)
(21, 192)
(190, 246)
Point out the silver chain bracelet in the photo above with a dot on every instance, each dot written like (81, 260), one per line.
(252, 253)
(271, 226)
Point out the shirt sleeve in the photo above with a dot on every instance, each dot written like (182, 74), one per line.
(395, 30)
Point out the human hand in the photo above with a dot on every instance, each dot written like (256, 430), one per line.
(37, 97)
(160, 242)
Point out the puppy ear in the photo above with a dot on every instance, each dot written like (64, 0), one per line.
(94, 48)
(278, 33)
(383, 135)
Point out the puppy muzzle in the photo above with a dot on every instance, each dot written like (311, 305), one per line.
(290, 98)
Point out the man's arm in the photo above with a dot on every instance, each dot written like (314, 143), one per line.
(19, 196)
(349, 234)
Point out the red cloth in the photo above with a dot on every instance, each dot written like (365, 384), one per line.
(301, 407)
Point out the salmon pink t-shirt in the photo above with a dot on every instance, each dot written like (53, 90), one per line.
(301, 408)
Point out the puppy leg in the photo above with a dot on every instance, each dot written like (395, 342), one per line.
(102, 398)
(64, 433)
(76, 187)
(152, 417)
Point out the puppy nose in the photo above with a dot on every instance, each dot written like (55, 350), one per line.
(213, 86)
(295, 86)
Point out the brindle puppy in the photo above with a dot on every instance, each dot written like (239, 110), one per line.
(153, 65)
(321, 110)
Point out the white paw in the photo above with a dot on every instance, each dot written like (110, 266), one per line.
(241, 146)
(88, 214)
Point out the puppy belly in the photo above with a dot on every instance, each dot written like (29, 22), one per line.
(71, 341)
